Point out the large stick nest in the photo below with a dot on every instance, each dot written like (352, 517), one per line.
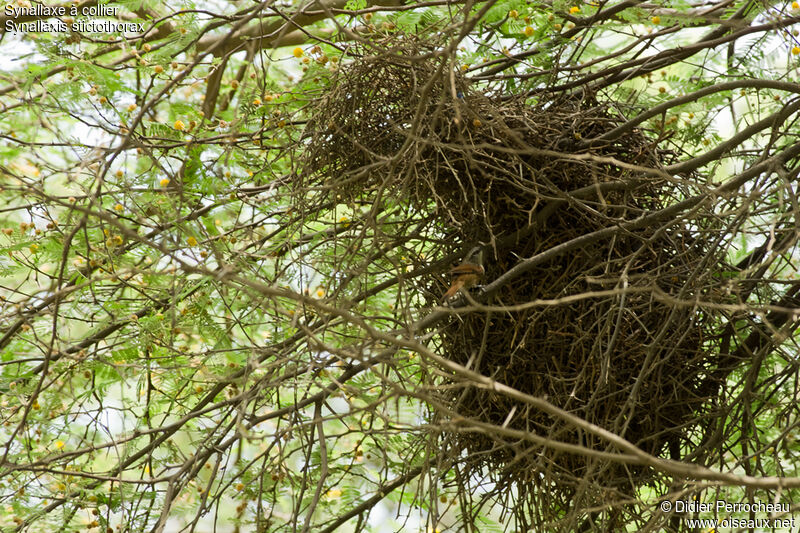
(624, 356)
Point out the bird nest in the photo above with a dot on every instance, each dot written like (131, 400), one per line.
(602, 332)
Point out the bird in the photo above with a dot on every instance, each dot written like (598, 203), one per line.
(467, 274)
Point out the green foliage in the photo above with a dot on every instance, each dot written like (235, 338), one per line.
(190, 349)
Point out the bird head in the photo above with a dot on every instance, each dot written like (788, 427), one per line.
(475, 256)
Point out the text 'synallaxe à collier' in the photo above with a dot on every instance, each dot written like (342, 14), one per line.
(40, 10)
